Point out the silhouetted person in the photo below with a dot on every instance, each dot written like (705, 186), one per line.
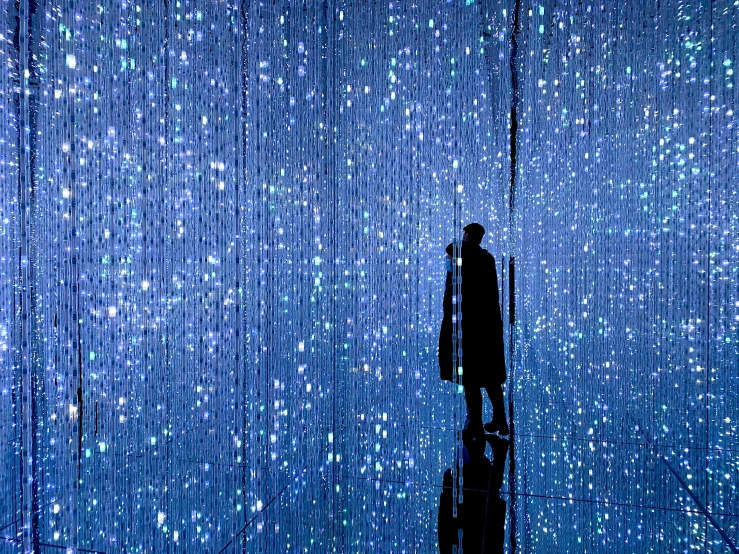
(481, 515)
(483, 355)
(494, 537)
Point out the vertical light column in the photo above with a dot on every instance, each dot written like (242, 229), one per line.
(723, 401)
(10, 212)
(25, 336)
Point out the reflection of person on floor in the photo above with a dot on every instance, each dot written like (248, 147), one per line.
(481, 515)
(483, 355)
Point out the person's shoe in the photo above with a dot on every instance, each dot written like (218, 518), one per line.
(499, 426)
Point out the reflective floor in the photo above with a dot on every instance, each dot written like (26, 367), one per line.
(538, 492)
(393, 487)
(544, 491)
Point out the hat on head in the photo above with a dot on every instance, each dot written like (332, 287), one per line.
(475, 230)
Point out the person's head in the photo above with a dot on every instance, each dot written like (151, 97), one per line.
(449, 254)
(473, 233)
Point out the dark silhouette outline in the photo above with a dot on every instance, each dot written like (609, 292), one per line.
(481, 514)
(481, 346)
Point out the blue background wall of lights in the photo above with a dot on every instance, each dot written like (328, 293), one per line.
(221, 266)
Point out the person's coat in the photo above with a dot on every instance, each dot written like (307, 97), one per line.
(483, 353)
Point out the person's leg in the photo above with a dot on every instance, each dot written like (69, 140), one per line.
(473, 396)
